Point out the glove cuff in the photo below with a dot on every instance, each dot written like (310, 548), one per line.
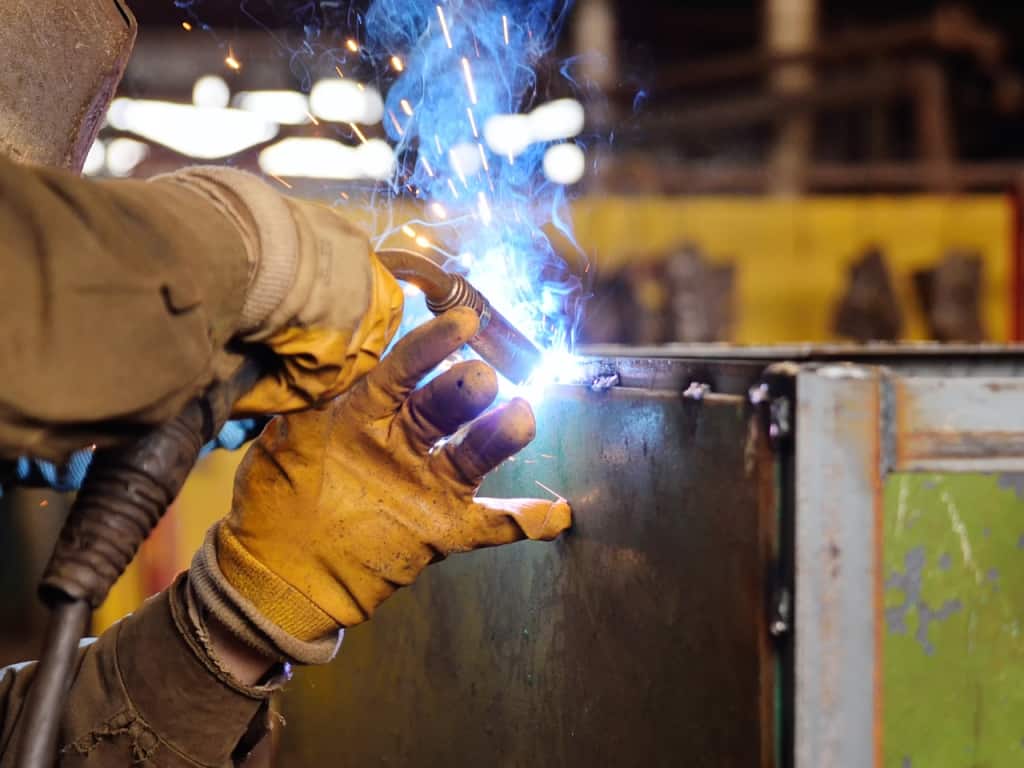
(265, 222)
(277, 600)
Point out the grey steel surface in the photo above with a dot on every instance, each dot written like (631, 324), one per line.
(838, 508)
(638, 640)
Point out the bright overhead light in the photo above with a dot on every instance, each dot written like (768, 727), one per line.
(124, 154)
(465, 159)
(510, 135)
(507, 134)
(201, 132)
(287, 107)
(210, 91)
(319, 158)
(345, 101)
(564, 163)
(95, 159)
(556, 120)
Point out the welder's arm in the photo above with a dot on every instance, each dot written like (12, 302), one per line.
(117, 299)
(148, 692)
(336, 508)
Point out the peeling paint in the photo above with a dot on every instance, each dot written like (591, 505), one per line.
(1012, 481)
(909, 582)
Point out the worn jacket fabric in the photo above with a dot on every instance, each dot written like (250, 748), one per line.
(146, 693)
(115, 298)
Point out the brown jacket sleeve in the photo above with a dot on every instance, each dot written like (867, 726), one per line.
(145, 693)
(114, 298)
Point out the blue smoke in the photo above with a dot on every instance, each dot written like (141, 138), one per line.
(465, 61)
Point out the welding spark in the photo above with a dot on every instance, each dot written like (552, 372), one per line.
(558, 496)
(469, 80)
(426, 166)
(451, 186)
(358, 133)
(231, 61)
(338, 70)
(409, 231)
(472, 122)
(422, 242)
(484, 208)
(396, 64)
(406, 107)
(444, 26)
(483, 158)
(279, 179)
(504, 27)
(394, 122)
(438, 210)
(437, 143)
(186, 26)
(352, 45)
(312, 119)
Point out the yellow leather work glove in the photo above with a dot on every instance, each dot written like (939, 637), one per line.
(335, 509)
(316, 294)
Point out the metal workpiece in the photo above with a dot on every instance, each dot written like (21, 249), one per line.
(780, 557)
(638, 638)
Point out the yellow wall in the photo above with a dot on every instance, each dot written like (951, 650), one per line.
(791, 259)
(792, 256)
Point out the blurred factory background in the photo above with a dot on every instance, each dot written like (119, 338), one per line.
(741, 171)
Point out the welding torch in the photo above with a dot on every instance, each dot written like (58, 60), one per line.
(128, 489)
(498, 342)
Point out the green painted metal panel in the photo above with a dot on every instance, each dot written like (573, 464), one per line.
(953, 649)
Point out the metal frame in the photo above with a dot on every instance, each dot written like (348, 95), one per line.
(855, 424)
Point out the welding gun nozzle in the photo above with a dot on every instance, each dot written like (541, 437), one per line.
(498, 341)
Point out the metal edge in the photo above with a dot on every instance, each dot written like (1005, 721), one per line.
(838, 511)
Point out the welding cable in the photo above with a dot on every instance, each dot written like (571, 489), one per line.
(126, 492)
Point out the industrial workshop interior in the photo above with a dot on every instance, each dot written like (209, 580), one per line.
(461, 383)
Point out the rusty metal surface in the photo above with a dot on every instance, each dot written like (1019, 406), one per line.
(638, 639)
(958, 425)
(838, 566)
(61, 62)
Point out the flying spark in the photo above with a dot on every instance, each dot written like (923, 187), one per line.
(422, 242)
(483, 158)
(469, 80)
(338, 70)
(558, 496)
(396, 64)
(406, 107)
(438, 210)
(231, 61)
(352, 45)
(472, 122)
(394, 122)
(426, 166)
(186, 26)
(484, 208)
(444, 26)
(358, 133)
(451, 186)
(409, 231)
(279, 180)
(504, 27)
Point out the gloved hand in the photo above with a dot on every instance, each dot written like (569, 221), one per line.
(316, 295)
(335, 509)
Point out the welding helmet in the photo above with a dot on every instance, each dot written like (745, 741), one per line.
(60, 63)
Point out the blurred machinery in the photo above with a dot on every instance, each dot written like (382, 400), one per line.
(791, 556)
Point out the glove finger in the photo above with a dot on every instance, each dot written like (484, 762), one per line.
(446, 403)
(489, 441)
(508, 520)
(386, 387)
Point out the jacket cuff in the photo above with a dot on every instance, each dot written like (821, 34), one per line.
(268, 229)
(280, 627)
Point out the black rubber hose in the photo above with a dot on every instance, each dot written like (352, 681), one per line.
(126, 492)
